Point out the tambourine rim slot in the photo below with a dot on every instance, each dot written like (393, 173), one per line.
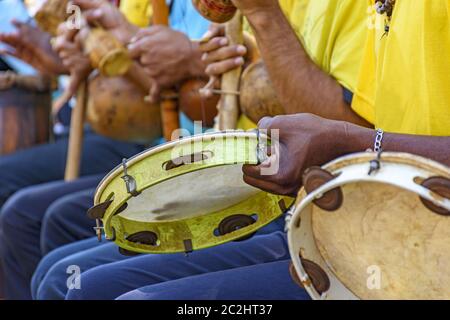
(139, 233)
(122, 208)
(190, 161)
(221, 227)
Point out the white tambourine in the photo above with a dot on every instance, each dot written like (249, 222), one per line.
(379, 235)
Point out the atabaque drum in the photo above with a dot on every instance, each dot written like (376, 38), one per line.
(371, 227)
(25, 103)
(186, 195)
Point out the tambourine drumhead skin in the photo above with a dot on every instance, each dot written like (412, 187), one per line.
(183, 204)
(382, 243)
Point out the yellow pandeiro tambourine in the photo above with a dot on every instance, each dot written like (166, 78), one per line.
(368, 227)
(186, 195)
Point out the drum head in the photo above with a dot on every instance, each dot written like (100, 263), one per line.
(191, 195)
(382, 242)
(382, 228)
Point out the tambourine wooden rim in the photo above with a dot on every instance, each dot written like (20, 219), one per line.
(190, 233)
(347, 170)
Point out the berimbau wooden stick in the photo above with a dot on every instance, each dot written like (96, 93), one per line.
(76, 135)
(160, 12)
(169, 107)
(229, 103)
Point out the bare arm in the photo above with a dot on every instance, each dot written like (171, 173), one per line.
(306, 140)
(108, 16)
(435, 148)
(300, 84)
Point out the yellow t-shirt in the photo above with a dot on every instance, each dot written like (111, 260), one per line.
(138, 12)
(333, 33)
(405, 75)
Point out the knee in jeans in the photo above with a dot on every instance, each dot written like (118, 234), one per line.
(57, 281)
(7, 182)
(52, 223)
(11, 214)
(62, 212)
(55, 214)
(92, 284)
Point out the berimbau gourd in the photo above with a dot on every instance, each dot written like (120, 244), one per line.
(257, 97)
(219, 11)
(111, 93)
(110, 57)
(116, 104)
(106, 53)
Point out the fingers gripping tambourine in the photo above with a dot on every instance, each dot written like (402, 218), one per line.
(186, 195)
(383, 235)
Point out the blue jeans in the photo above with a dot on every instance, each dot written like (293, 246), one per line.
(50, 278)
(59, 208)
(47, 162)
(265, 281)
(35, 208)
(105, 274)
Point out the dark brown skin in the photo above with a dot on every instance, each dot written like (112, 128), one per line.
(108, 16)
(32, 45)
(221, 57)
(218, 55)
(315, 91)
(69, 48)
(307, 140)
(167, 56)
(68, 43)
